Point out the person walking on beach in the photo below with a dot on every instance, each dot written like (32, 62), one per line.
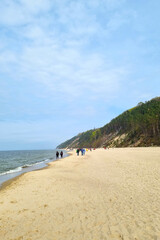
(77, 152)
(82, 151)
(61, 153)
(57, 154)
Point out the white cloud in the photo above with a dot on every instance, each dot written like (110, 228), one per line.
(18, 13)
(12, 14)
(37, 6)
(118, 20)
(59, 52)
(70, 71)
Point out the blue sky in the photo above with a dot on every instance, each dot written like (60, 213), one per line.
(67, 66)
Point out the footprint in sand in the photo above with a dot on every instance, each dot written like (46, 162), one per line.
(14, 201)
(24, 210)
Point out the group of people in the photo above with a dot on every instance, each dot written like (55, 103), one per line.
(82, 150)
(57, 154)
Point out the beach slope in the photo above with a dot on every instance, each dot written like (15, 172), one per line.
(106, 194)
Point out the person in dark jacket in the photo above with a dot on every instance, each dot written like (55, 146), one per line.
(77, 152)
(61, 153)
(57, 154)
(81, 151)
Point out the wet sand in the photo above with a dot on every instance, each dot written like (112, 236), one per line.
(106, 194)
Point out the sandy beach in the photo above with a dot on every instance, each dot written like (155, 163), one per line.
(106, 194)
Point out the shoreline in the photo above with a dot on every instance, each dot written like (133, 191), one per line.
(106, 194)
(7, 182)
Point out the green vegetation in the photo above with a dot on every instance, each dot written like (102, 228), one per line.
(138, 126)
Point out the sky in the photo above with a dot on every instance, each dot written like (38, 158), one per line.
(67, 66)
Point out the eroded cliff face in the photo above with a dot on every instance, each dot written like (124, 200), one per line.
(139, 126)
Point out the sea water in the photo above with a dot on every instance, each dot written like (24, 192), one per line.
(14, 163)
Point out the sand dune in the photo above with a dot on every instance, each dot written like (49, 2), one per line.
(106, 194)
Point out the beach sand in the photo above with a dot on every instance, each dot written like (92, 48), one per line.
(106, 194)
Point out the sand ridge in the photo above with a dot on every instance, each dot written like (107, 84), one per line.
(106, 194)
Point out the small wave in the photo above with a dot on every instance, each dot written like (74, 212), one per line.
(18, 169)
(47, 159)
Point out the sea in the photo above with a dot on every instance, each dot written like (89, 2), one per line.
(14, 163)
